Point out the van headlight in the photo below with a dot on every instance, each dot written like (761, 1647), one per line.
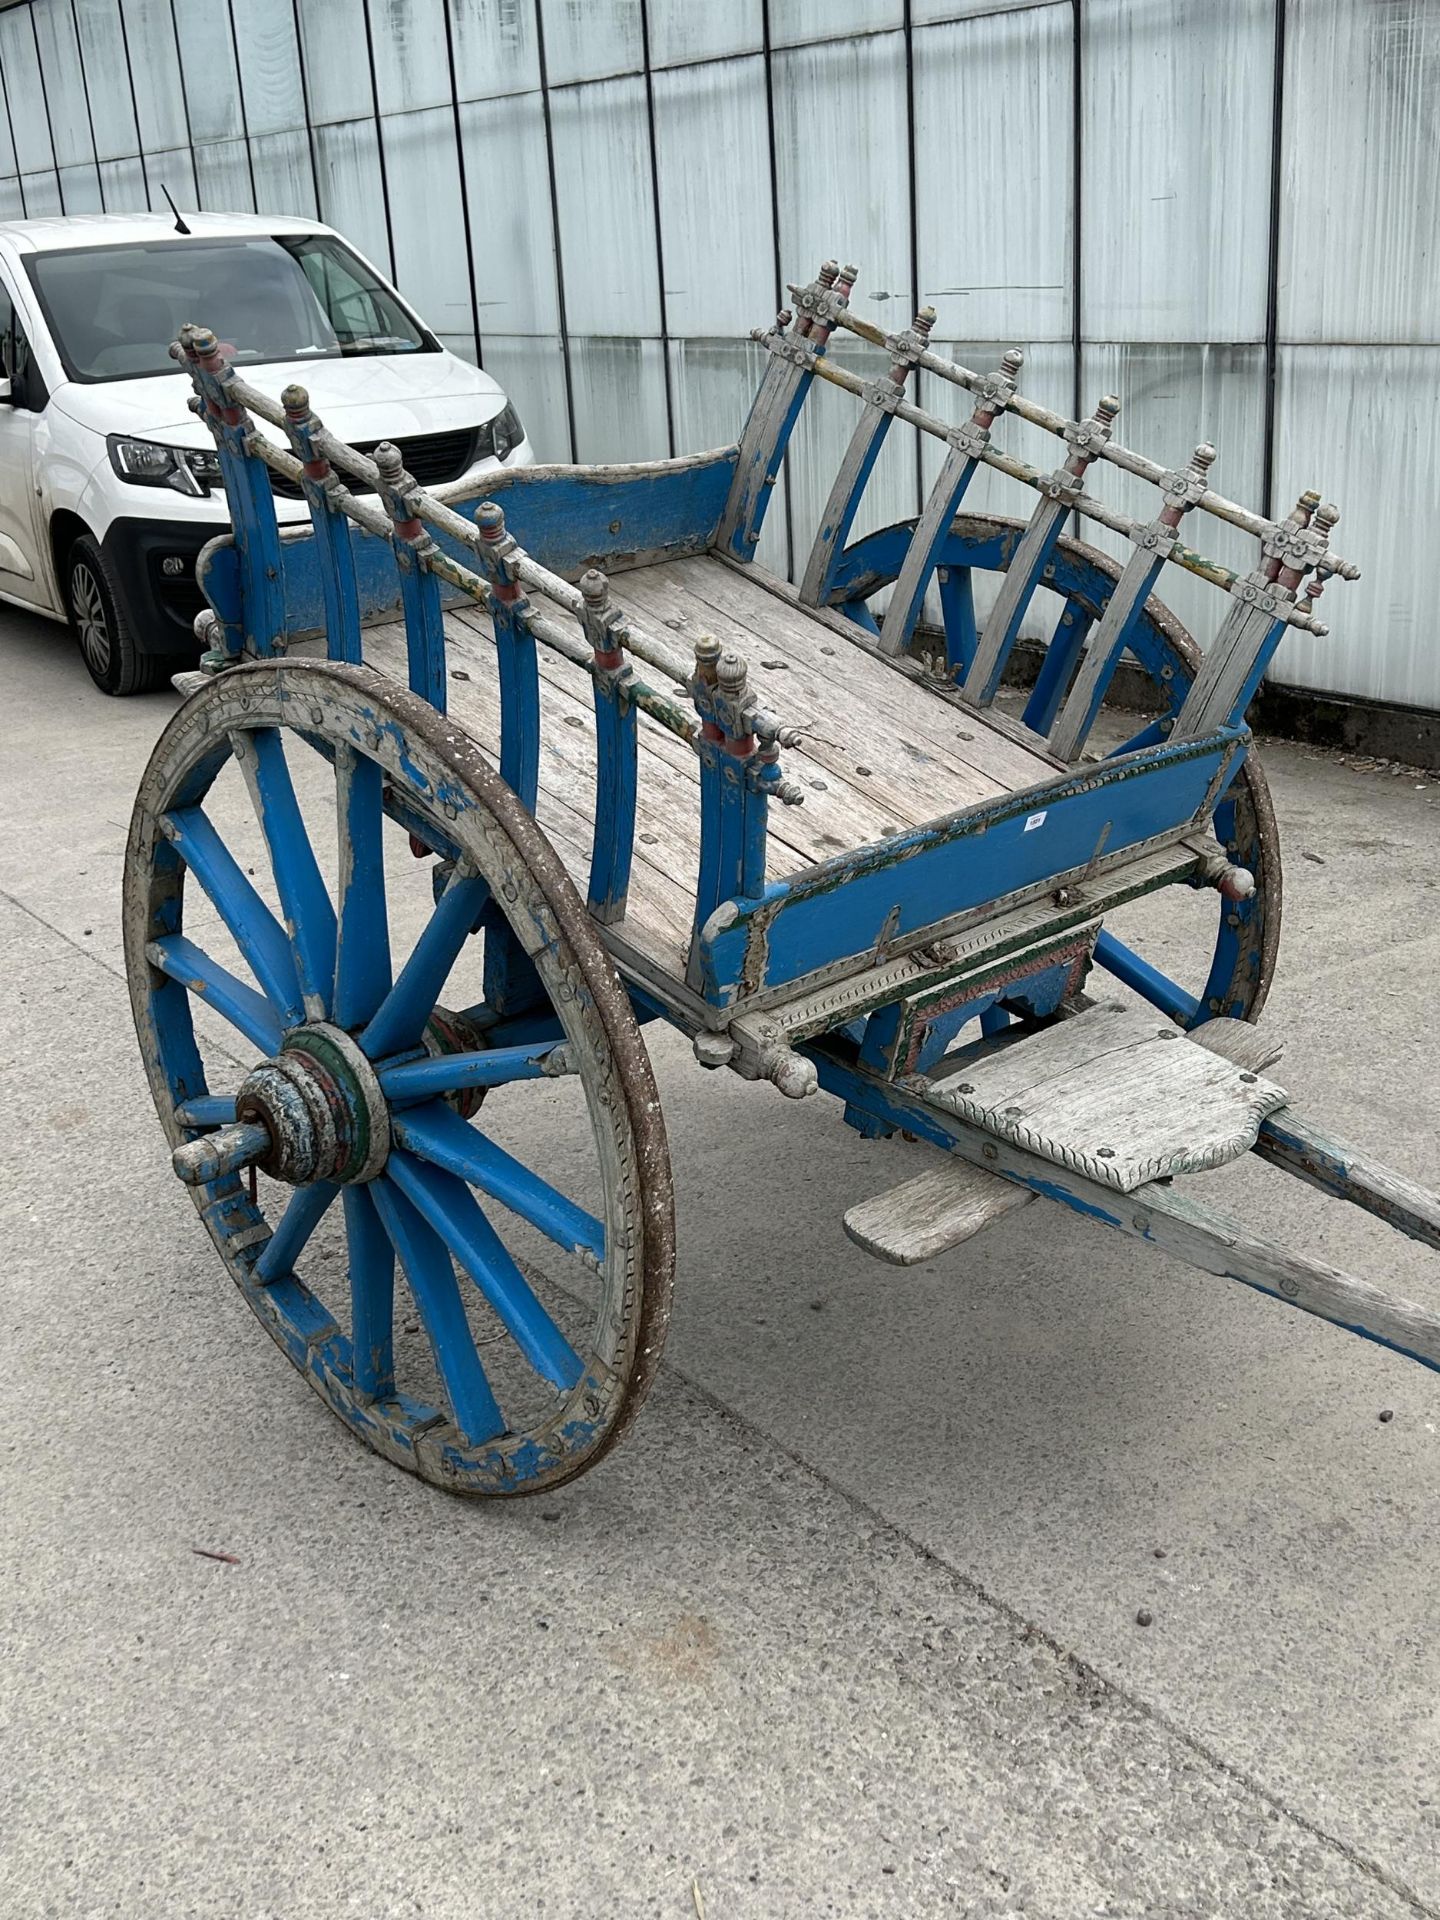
(145, 463)
(501, 435)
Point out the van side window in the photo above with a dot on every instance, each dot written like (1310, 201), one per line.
(17, 365)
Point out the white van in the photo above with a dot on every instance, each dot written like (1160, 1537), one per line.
(109, 485)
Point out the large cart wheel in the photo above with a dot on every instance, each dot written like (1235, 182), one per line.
(1234, 976)
(362, 1088)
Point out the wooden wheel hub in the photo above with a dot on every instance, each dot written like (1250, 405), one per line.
(319, 1100)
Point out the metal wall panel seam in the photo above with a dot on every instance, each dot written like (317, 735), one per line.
(555, 229)
(45, 102)
(89, 115)
(1272, 285)
(464, 181)
(766, 52)
(185, 110)
(659, 237)
(379, 139)
(10, 129)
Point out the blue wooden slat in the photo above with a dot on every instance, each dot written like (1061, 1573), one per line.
(304, 899)
(452, 1210)
(401, 1016)
(437, 1295)
(438, 1134)
(519, 703)
(450, 1072)
(303, 1213)
(254, 929)
(839, 517)
(933, 529)
(424, 627)
(957, 604)
(330, 527)
(362, 953)
(184, 962)
(617, 772)
(1058, 668)
(372, 1296)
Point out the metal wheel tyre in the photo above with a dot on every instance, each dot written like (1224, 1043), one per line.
(366, 1089)
(107, 647)
(1235, 973)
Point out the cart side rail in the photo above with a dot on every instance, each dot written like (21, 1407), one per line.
(1264, 602)
(335, 581)
(863, 908)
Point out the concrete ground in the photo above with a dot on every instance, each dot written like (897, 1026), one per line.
(847, 1627)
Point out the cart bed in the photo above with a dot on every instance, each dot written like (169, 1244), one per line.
(883, 750)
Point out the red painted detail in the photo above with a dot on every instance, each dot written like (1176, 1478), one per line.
(1230, 891)
(1171, 516)
(418, 847)
(740, 745)
(317, 469)
(709, 731)
(409, 529)
(609, 658)
(508, 591)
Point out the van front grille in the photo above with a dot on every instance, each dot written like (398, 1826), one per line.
(433, 458)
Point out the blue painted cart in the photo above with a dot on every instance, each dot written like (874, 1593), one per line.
(465, 793)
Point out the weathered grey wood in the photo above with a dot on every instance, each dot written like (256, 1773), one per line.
(908, 596)
(993, 750)
(1118, 1095)
(1223, 671)
(1072, 724)
(1252, 1048)
(1291, 1141)
(939, 1209)
(1217, 1244)
(1015, 589)
(1162, 1217)
(902, 744)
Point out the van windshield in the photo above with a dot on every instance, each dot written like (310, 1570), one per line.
(113, 311)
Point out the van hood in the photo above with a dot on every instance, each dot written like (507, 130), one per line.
(374, 397)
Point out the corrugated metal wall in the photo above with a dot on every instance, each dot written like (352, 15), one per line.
(1225, 210)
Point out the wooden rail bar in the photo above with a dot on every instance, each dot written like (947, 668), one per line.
(1056, 423)
(1085, 505)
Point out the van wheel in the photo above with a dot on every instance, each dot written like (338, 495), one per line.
(111, 657)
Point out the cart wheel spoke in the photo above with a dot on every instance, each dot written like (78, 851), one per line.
(301, 1217)
(455, 1072)
(372, 1296)
(362, 955)
(1149, 982)
(253, 927)
(304, 898)
(437, 1133)
(400, 1020)
(242, 1006)
(432, 1280)
(452, 1210)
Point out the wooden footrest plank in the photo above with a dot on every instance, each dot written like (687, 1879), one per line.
(1116, 1094)
(941, 1208)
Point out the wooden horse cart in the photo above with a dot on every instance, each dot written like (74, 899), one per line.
(634, 776)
